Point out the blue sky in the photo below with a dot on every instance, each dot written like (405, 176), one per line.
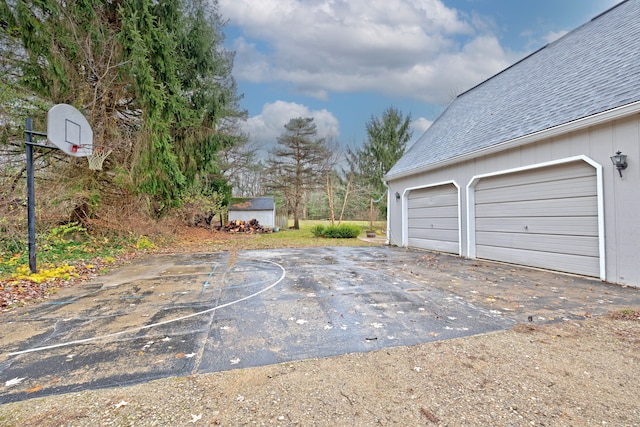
(342, 61)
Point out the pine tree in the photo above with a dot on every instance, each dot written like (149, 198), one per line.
(151, 76)
(297, 164)
(386, 142)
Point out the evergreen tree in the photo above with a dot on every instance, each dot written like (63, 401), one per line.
(387, 138)
(151, 76)
(183, 78)
(297, 164)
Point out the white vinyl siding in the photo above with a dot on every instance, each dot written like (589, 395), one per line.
(545, 217)
(433, 221)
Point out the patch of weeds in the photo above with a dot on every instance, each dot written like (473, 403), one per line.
(625, 314)
(61, 247)
(45, 273)
(145, 244)
(523, 328)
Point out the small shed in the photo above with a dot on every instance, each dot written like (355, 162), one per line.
(247, 208)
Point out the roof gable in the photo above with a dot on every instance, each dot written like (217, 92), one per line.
(252, 204)
(592, 69)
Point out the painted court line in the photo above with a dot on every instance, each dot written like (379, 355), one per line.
(115, 334)
(206, 283)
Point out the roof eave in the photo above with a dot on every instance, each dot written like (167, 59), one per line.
(585, 122)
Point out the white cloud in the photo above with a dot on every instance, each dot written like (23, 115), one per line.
(250, 64)
(416, 48)
(419, 126)
(536, 40)
(266, 127)
(554, 35)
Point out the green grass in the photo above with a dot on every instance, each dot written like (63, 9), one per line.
(364, 225)
(304, 237)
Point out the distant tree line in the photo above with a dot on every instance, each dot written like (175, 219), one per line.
(312, 178)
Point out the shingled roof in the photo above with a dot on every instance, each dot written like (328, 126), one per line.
(592, 69)
(252, 204)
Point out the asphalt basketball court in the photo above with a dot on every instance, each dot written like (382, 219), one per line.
(177, 315)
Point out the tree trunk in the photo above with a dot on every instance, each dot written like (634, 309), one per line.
(371, 214)
(332, 214)
(346, 196)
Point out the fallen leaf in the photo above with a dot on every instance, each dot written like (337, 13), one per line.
(13, 382)
(34, 389)
(430, 416)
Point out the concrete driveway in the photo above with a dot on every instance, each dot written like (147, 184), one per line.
(177, 315)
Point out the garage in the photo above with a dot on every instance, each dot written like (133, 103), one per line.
(433, 218)
(542, 217)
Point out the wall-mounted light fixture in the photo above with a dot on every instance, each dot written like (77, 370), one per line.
(619, 160)
(397, 196)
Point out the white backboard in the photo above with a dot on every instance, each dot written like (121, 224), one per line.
(68, 130)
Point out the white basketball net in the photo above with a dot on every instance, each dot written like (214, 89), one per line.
(96, 159)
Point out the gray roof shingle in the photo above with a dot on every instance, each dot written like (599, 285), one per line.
(252, 204)
(594, 68)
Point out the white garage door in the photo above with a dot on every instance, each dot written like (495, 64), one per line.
(433, 218)
(545, 217)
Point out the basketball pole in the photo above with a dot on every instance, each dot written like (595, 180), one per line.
(31, 196)
(67, 127)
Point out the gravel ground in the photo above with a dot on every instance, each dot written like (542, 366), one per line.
(572, 373)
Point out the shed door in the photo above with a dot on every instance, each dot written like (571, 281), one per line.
(545, 217)
(433, 219)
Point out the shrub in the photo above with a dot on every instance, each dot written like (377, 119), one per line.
(343, 231)
(318, 230)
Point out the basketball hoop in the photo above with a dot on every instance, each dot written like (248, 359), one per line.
(96, 158)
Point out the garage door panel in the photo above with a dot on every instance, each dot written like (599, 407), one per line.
(433, 218)
(548, 174)
(574, 245)
(439, 190)
(545, 217)
(587, 266)
(434, 245)
(581, 187)
(435, 234)
(441, 200)
(580, 206)
(580, 226)
(433, 212)
(433, 222)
